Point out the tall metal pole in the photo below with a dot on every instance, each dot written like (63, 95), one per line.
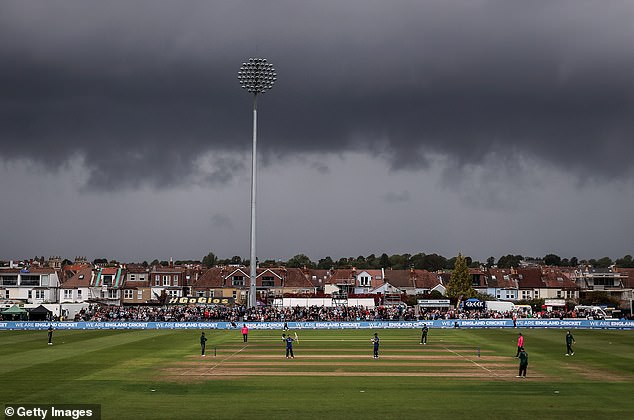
(256, 76)
(253, 263)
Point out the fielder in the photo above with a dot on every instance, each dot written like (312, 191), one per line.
(289, 345)
(203, 343)
(375, 341)
(570, 340)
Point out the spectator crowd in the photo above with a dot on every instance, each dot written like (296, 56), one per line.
(181, 313)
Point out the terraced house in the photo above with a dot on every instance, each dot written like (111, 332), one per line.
(29, 284)
(233, 282)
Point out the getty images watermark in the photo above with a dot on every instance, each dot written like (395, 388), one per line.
(52, 411)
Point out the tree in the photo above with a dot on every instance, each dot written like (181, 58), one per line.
(384, 261)
(66, 262)
(490, 262)
(460, 281)
(450, 264)
(371, 261)
(552, 259)
(431, 262)
(599, 297)
(574, 261)
(604, 262)
(269, 264)
(625, 262)
(210, 260)
(300, 261)
(399, 262)
(325, 263)
(343, 263)
(509, 261)
(360, 262)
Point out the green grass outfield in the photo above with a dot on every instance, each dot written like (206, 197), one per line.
(160, 374)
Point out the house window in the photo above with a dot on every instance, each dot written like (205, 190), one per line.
(29, 294)
(200, 293)
(268, 282)
(235, 294)
(176, 280)
(68, 294)
(132, 277)
(113, 294)
(558, 293)
(6, 294)
(107, 280)
(9, 280)
(211, 293)
(536, 294)
(29, 280)
(39, 294)
(237, 281)
(498, 294)
(127, 294)
(173, 293)
(78, 293)
(166, 280)
(364, 281)
(139, 294)
(157, 280)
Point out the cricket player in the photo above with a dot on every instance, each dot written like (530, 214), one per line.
(245, 333)
(423, 339)
(523, 363)
(289, 345)
(50, 335)
(569, 341)
(203, 343)
(375, 341)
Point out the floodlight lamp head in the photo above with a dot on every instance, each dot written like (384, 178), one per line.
(257, 75)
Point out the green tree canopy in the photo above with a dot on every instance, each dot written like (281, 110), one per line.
(460, 281)
(384, 261)
(210, 260)
(431, 262)
(300, 261)
(400, 262)
(509, 261)
(552, 259)
(625, 262)
(325, 263)
(604, 262)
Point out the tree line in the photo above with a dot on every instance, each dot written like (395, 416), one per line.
(429, 262)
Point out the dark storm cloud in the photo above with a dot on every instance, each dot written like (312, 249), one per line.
(141, 90)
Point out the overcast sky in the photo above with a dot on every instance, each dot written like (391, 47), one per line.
(486, 127)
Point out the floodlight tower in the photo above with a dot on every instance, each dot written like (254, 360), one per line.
(256, 76)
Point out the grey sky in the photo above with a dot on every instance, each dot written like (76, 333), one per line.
(404, 126)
